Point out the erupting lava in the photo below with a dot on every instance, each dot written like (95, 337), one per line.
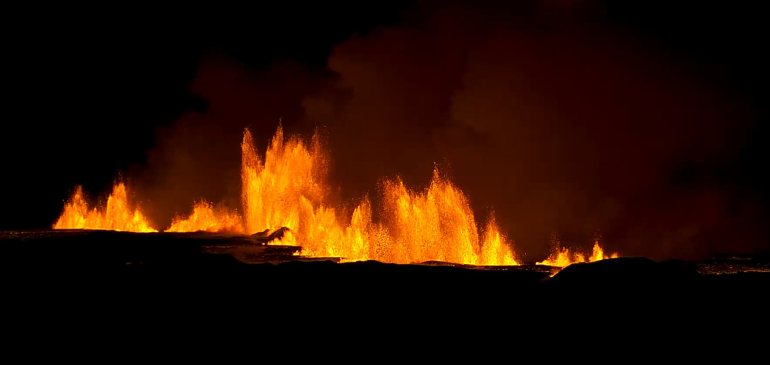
(206, 218)
(116, 216)
(289, 189)
(563, 257)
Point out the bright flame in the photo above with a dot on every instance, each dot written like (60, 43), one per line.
(288, 190)
(495, 250)
(116, 216)
(206, 218)
(563, 257)
(272, 190)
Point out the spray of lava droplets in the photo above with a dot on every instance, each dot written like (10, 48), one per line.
(562, 257)
(116, 216)
(289, 188)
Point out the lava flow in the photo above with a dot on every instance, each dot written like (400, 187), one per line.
(116, 216)
(289, 188)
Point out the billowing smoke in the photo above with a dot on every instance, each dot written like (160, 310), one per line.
(556, 125)
(199, 156)
(546, 114)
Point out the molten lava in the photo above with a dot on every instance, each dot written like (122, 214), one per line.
(206, 218)
(562, 257)
(273, 189)
(116, 216)
(289, 189)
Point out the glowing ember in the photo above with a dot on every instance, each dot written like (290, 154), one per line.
(116, 216)
(206, 218)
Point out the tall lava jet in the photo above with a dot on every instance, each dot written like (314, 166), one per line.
(289, 188)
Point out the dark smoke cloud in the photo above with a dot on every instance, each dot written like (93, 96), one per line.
(544, 113)
(199, 156)
(558, 123)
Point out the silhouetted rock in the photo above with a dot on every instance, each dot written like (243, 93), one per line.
(624, 273)
(196, 277)
(627, 288)
(267, 236)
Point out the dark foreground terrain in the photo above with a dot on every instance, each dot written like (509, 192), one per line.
(170, 284)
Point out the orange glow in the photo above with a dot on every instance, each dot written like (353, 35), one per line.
(117, 216)
(289, 190)
(206, 218)
(495, 250)
(563, 257)
(273, 189)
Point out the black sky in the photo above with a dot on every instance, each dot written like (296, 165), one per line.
(644, 119)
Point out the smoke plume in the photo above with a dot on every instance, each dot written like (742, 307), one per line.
(545, 114)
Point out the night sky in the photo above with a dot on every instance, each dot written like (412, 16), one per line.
(645, 121)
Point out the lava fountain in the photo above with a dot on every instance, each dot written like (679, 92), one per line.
(116, 216)
(289, 188)
(205, 217)
(563, 257)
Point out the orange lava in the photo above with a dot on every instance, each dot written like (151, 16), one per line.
(116, 216)
(563, 257)
(289, 188)
(206, 218)
(273, 190)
